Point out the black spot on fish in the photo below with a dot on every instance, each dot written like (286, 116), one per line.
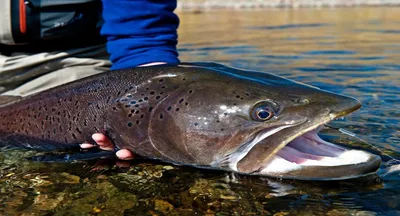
(142, 116)
(163, 87)
(190, 91)
(132, 102)
(137, 105)
(169, 108)
(130, 124)
(177, 109)
(195, 124)
(158, 97)
(160, 80)
(127, 106)
(150, 109)
(137, 112)
(181, 100)
(145, 98)
(140, 100)
(130, 115)
(137, 122)
(161, 116)
(152, 92)
(186, 103)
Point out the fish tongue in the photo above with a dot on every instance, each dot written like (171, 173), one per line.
(311, 143)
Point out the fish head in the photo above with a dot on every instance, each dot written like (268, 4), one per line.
(255, 123)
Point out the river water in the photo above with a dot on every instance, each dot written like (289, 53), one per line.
(352, 51)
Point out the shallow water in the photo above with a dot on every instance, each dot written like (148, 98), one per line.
(355, 52)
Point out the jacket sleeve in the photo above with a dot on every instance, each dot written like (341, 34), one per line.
(140, 32)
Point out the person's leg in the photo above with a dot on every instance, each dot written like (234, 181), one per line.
(24, 73)
(78, 69)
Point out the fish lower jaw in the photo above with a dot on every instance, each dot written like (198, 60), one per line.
(310, 157)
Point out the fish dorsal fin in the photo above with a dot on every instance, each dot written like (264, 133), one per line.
(8, 99)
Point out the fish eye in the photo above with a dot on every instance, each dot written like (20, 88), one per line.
(263, 111)
(263, 114)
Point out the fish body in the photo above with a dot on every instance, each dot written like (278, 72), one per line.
(204, 115)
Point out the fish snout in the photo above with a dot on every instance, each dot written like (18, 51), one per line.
(338, 105)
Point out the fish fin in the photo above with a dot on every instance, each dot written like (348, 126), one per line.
(67, 158)
(8, 99)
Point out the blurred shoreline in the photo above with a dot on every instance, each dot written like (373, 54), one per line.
(205, 5)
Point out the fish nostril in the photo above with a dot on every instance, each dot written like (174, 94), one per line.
(301, 101)
(304, 101)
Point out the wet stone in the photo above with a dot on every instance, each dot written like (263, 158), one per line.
(162, 206)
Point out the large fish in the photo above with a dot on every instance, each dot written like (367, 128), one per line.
(204, 115)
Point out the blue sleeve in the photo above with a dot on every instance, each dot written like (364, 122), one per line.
(140, 32)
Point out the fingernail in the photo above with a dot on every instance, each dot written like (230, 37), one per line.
(122, 155)
(86, 145)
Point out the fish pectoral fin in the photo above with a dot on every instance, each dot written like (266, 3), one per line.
(74, 157)
(8, 99)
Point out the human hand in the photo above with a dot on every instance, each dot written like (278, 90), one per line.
(105, 143)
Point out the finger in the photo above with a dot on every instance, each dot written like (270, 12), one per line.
(103, 142)
(87, 145)
(125, 154)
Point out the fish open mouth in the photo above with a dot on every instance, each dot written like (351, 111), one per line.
(303, 156)
(310, 157)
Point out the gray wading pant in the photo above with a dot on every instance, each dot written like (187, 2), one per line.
(28, 73)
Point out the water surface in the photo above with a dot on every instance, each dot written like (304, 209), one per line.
(355, 52)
